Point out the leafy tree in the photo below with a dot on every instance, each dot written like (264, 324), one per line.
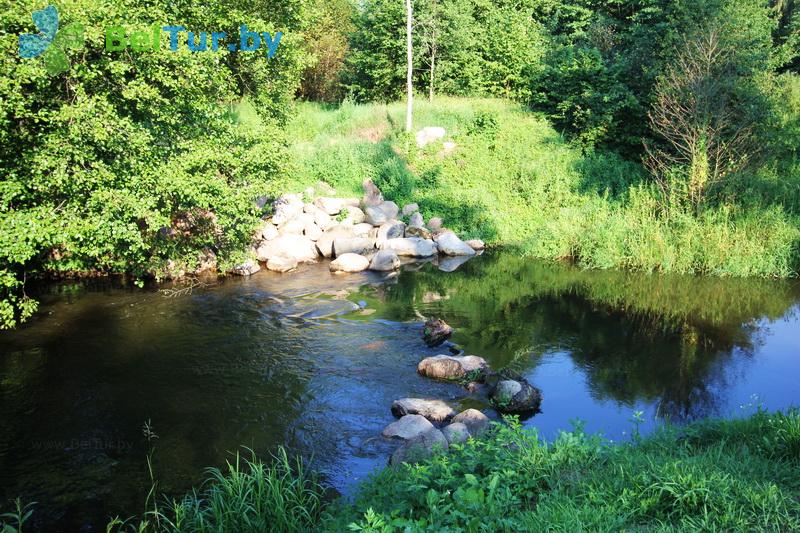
(135, 162)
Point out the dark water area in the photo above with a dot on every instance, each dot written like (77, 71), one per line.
(313, 361)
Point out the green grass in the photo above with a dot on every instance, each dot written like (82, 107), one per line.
(715, 475)
(515, 181)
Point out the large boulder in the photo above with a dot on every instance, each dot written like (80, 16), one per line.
(312, 231)
(435, 224)
(266, 232)
(435, 332)
(475, 421)
(476, 244)
(384, 261)
(379, 214)
(321, 218)
(420, 448)
(515, 396)
(363, 230)
(331, 206)
(409, 209)
(433, 410)
(456, 433)
(450, 244)
(372, 195)
(281, 263)
(325, 243)
(411, 247)
(419, 232)
(393, 229)
(298, 247)
(451, 367)
(416, 220)
(408, 427)
(353, 215)
(295, 226)
(430, 134)
(349, 263)
(353, 245)
(286, 208)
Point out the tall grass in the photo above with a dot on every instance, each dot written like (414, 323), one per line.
(712, 475)
(513, 180)
(249, 496)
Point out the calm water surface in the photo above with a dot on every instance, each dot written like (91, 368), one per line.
(313, 361)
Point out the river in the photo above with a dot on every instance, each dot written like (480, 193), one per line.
(313, 361)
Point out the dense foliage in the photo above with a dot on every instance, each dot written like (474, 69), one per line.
(134, 162)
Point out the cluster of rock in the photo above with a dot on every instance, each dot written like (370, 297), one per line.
(428, 426)
(357, 234)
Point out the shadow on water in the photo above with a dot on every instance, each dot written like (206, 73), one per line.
(313, 361)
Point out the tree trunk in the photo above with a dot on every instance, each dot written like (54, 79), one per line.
(433, 67)
(410, 73)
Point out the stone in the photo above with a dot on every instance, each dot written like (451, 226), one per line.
(410, 209)
(295, 226)
(411, 247)
(266, 232)
(372, 195)
(430, 134)
(349, 263)
(393, 229)
(456, 433)
(363, 230)
(321, 218)
(418, 231)
(379, 214)
(515, 396)
(433, 410)
(435, 332)
(420, 448)
(286, 207)
(247, 268)
(385, 261)
(313, 232)
(298, 247)
(450, 244)
(475, 421)
(435, 224)
(281, 263)
(416, 220)
(448, 147)
(451, 367)
(354, 215)
(325, 243)
(331, 206)
(476, 244)
(353, 245)
(408, 427)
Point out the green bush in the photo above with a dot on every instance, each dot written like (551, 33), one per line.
(133, 162)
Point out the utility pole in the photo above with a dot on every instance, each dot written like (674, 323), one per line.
(410, 73)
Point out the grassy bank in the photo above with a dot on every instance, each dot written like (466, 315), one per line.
(737, 475)
(514, 180)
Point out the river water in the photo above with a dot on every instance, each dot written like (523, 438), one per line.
(313, 361)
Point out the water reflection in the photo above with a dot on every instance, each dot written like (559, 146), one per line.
(313, 361)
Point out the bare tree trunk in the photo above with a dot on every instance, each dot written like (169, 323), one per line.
(410, 73)
(435, 14)
(433, 67)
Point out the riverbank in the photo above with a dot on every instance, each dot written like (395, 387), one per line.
(509, 178)
(730, 475)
